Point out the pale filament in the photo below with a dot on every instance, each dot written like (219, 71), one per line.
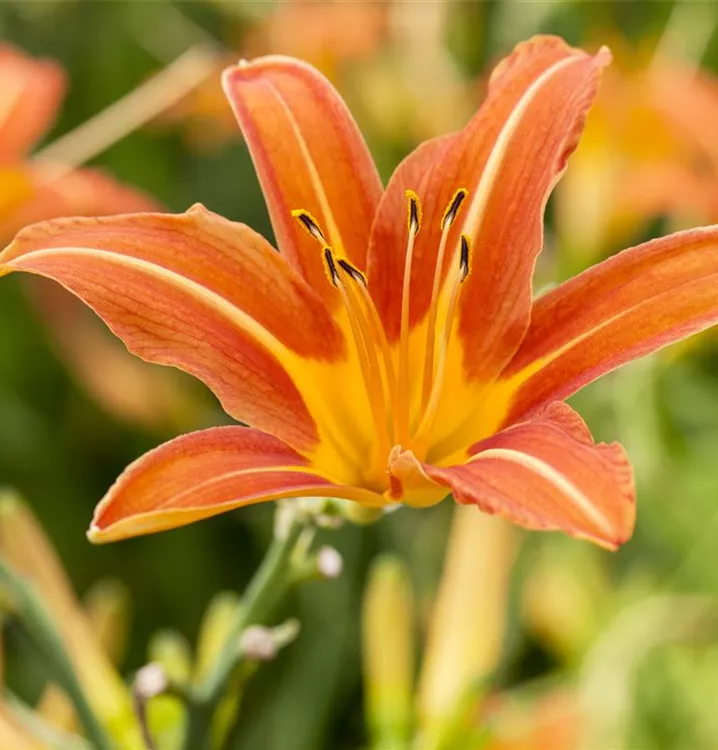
(447, 221)
(366, 347)
(403, 389)
(374, 322)
(421, 437)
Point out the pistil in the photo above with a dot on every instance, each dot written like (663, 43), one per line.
(421, 437)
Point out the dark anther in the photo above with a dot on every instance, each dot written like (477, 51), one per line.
(329, 259)
(413, 215)
(464, 261)
(309, 224)
(453, 209)
(355, 273)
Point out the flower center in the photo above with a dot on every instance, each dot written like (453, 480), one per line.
(386, 368)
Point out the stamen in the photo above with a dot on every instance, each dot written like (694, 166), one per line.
(464, 258)
(353, 271)
(366, 351)
(447, 221)
(413, 227)
(331, 268)
(452, 210)
(310, 224)
(414, 216)
(420, 438)
(371, 322)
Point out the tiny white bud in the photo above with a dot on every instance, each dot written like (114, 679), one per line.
(258, 643)
(326, 521)
(150, 681)
(329, 562)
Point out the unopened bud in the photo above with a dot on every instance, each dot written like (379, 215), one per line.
(329, 562)
(258, 643)
(360, 514)
(170, 650)
(388, 652)
(150, 681)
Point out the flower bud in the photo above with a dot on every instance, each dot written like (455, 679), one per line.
(388, 651)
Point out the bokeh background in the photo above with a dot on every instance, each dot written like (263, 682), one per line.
(631, 637)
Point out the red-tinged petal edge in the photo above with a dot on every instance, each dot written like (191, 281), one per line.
(309, 154)
(205, 473)
(547, 474)
(634, 303)
(30, 93)
(168, 286)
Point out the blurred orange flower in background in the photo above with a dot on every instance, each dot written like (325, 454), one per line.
(34, 188)
(31, 91)
(388, 355)
(329, 35)
(404, 82)
(649, 150)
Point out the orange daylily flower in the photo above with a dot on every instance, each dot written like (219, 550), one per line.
(31, 91)
(551, 720)
(388, 354)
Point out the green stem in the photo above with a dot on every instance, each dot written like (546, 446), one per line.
(269, 583)
(29, 609)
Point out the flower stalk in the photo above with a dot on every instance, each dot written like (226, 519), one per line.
(276, 574)
(133, 110)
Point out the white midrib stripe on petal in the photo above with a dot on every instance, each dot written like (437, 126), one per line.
(474, 216)
(551, 475)
(237, 473)
(331, 228)
(541, 362)
(233, 314)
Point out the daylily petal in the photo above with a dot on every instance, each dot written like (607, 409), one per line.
(200, 293)
(508, 157)
(548, 474)
(32, 192)
(30, 93)
(630, 305)
(153, 397)
(205, 473)
(537, 105)
(420, 172)
(16, 189)
(309, 154)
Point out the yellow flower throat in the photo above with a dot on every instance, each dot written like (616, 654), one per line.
(385, 368)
